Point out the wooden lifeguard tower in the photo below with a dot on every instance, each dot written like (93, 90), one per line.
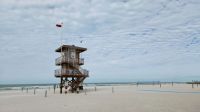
(71, 74)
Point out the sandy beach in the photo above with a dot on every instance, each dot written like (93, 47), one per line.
(122, 98)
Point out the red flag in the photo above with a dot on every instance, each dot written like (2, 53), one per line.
(59, 25)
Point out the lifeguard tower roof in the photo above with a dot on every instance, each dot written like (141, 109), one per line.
(64, 47)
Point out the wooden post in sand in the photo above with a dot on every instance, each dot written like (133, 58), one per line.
(112, 89)
(95, 88)
(22, 89)
(45, 94)
(85, 92)
(34, 91)
(160, 85)
(54, 88)
(172, 84)
(26, 90)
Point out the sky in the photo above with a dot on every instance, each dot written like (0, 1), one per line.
(127, 40)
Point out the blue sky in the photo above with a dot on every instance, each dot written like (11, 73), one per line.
(127, 40)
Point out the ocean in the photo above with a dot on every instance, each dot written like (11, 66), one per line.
(4, 87)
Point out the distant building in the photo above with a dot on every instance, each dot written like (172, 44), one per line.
(71, 74)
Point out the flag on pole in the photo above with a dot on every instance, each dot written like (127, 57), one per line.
(59, 25)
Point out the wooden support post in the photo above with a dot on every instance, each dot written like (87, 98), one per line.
(160, 85)
(77, 90)
(45, 95)
(61, 84)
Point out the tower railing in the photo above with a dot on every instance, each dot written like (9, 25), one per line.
(65, 59)
(81, 61)
(84, 71)
(60, 72)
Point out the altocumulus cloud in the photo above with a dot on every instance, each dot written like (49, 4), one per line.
(127, 40)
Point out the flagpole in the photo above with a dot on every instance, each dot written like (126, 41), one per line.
(60, 25)
(61, 50)
(61, 46)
